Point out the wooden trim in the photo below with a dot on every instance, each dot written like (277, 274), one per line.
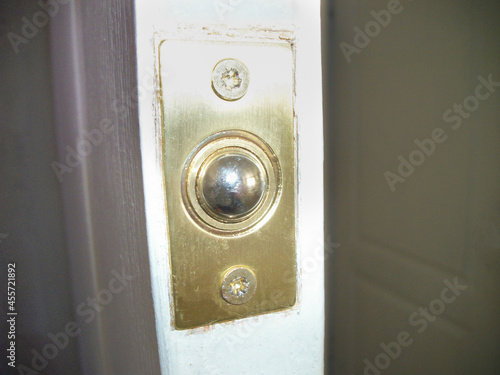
(94, 76)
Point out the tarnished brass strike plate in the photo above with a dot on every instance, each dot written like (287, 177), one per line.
(247, 112)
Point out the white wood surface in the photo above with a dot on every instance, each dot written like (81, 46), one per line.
(288, 342)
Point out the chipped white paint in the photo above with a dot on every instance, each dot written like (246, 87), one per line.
(288, 342)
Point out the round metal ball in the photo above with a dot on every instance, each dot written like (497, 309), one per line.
(231, 187)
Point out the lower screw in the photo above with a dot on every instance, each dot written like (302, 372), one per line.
(238, 285)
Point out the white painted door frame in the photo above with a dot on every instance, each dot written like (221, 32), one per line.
(286, 342)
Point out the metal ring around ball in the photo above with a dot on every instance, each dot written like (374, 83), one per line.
(231, 143)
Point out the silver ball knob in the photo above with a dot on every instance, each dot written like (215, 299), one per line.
(231, 186)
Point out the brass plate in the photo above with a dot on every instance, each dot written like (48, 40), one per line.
(191, 113)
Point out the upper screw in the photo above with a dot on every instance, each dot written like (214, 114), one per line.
(230, 79)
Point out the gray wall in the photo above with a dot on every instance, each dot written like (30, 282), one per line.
(30, 199)
(441, 221)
